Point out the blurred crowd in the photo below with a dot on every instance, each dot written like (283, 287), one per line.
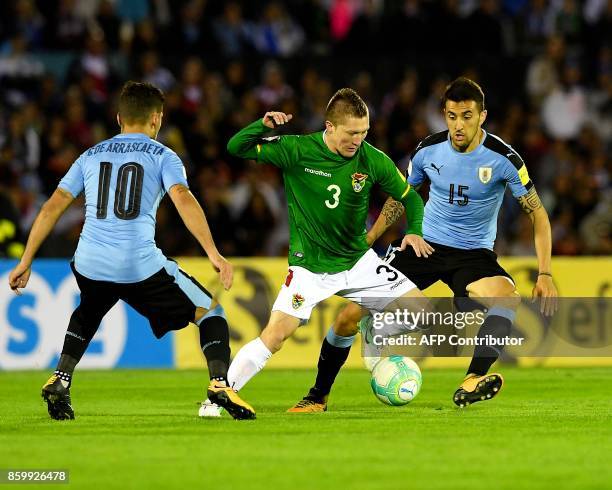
(545, 67)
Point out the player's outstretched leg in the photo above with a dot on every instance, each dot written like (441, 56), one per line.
(334, 352)
(84, 323)
(56, 392)
(95, 302)
(502, 299)
(254, 355)
(476, 388)
(214, 341)
(249, 360)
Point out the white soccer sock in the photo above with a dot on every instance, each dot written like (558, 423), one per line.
(248, 362)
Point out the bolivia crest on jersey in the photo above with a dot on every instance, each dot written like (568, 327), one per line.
(358, 181)
(297, 301)
(485, 174)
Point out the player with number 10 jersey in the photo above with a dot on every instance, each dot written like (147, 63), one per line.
(124, 179)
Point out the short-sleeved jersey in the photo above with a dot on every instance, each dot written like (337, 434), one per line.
(328, 196)
(466, 189)
(123, 180)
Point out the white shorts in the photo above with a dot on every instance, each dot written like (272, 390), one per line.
(371, 283)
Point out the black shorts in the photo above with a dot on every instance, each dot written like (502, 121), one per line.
(454, 266)
(168, 298)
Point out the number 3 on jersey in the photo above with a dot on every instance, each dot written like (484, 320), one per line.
(335, 196)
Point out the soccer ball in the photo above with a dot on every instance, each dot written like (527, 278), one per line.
(396, 380)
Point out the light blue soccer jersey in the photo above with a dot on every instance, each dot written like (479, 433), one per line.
(466, 189)
(123, 179)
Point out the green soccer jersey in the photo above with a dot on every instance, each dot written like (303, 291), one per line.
(328, 195)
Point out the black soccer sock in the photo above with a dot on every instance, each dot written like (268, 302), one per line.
(214, 341)
(331, 360)
(65, 368)
(77, 339)
(497, 327)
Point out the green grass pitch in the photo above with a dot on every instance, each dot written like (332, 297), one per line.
(548, 428)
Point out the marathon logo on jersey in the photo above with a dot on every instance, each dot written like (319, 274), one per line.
(485, 174)
(297, 301)
(358, 181)
(317, 172)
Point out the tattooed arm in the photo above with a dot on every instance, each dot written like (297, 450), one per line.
(531, 204)
(391, 212)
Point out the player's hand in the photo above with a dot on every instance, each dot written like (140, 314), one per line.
(19, 276)
(225, 270)
(547, 292)
(421, 247)
(274, 119)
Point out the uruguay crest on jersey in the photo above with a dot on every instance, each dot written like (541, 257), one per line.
(358, 181)
(485, 174)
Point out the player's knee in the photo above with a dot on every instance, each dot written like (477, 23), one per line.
(507, 297)
(514, 299)
(345, 329)
(273, 337)
(215, 310)
(495, 291)
(346, 322)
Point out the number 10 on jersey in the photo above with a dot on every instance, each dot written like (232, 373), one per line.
(127, 201)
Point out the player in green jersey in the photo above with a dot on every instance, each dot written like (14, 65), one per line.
(328, 178)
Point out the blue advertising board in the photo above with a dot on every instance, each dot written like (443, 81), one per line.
(33, 325)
